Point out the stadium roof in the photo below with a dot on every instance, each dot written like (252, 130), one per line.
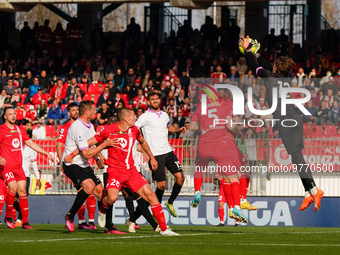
(26, 5)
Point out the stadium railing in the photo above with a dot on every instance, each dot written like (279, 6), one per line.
(268, 163)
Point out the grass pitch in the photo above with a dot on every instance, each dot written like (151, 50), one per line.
(55, 239)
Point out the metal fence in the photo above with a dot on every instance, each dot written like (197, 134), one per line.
(321, 154)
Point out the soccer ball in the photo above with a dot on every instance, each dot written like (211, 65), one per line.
(255, 46)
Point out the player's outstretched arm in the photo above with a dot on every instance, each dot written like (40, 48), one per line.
(38, 149)
(172, 129)
(146, 148)
(194, 125)
(91, 152)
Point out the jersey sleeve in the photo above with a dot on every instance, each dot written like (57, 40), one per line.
(101, 136)
(167, 120)
(140, 122)
(137, 133)
(62, 135)
(196, 116)
(81, 142)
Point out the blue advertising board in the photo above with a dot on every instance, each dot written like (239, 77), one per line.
(273, 211)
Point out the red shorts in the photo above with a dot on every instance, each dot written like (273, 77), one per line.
(12, 175)
(225, 154)
(3, 191)
(132, 179)
(221, 196)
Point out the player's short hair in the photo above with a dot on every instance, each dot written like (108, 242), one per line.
(84, 106)
(284, 65)
(7, 108)
(71, 105)
(151, 94)
(124, 111)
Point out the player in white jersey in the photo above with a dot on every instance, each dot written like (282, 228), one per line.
(155, 125)
(79, 171)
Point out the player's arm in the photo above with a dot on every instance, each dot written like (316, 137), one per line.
(194, 125)
(91, 152)
(146, 148)
(173, 129)
(38, 149)
(36, 172)
(60, 150)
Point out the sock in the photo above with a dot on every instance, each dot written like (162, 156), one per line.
(78, 202)
(24, 208)
(227, 194)
(159, 194)
(221, 214)
(157, 211)
(14, 214)
(198, 180)
(314, 190)
(235, 192)
(175, 191)
(81, 214)
(104, 207)
(143, 207)
(129, 205)
(244, 184)
(17, 207)
(307, 194)
(91, 202)
(9, 204)
(108, 217)
(2, 202)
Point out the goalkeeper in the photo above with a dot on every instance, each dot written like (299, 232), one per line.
(292, 137)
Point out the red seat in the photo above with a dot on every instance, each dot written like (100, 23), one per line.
(101, 88)
(125, 98)
(63, 106)
(50, 130)
(271, 133)
(330, 131)
(258, 129)
(93, 89)
(319, 131)
(93, 97)
(83, 86)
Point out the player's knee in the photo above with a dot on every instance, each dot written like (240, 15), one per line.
(112, 198)
(22, 191)
(180, 179)
(161, 185)
(88, 186)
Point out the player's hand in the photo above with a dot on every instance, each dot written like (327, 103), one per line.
(2, 161)
(111, 142)
(244, 42)
(102, 158)
(38, 184)
(68, 159)
(154, 164)
(61, 168)
(183, 130)
(50, 158)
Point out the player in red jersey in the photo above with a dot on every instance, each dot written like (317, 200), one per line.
(121, 168)
(73, 112)
(217, 131)
(12, 138)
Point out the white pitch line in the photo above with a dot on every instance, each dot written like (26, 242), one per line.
(111, 237)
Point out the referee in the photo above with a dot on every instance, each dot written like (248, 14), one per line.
(155, 125)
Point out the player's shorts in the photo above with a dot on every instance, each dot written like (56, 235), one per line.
(225, 154)
(13, 175)
(292, 137)
(170, 161)
(79, 174)
(221, 196)
(131, 179)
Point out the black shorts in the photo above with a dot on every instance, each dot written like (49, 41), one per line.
(292, 137)
(78, 174)
(170, 161)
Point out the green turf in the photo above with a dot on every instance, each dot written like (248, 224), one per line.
(55, 239)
